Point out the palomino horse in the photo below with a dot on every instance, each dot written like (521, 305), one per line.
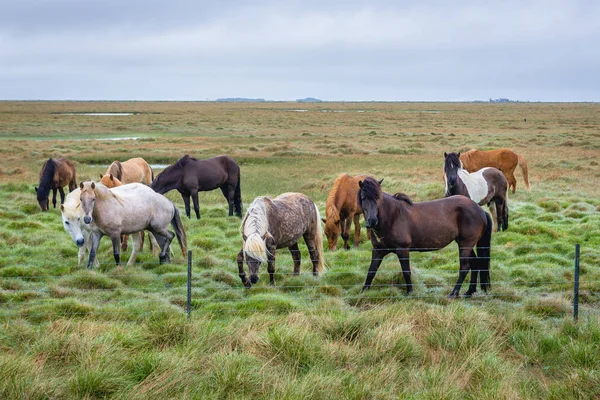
(400, 226)
(486, 186)
(341, 209)
(72, 217)
(114, 182)
(505, 160)
(127, 209)
(189, 176)
(55, 173)
(272, 224)
(134, 170)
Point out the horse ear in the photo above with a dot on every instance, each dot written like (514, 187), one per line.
(380, 181)
(360, 183)
(324, 221)
(81, 185)
(111, 177)
(101, 176)
(35, 187)
(62, 208)
(93, 186)
(445, 154)
(458, 155)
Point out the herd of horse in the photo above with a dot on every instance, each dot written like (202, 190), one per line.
(129, 200)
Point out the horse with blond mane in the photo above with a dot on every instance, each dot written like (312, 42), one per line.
(134, 170)
(127, 209)
(341, 209)
(272, 224)
(505, 160)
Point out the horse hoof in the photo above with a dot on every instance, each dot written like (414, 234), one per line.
(453, 296)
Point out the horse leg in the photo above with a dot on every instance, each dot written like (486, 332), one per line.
(136, 238)
(54, 197)
(512, 181)
(186, 202)
(95, 243)
(296, 256)
(345, 224)
(404, 258)
(356, 229)
(229, 192)
(196, 206)
(124, 240)
(376, 259)
(62, 195)
(464, 253)
(154, 245)
(271, 265)
(474, 274)
(494, 213)
(116, 242)
(240, 263)
(499, 208)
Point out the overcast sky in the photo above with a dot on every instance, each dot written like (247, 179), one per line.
(283, 50)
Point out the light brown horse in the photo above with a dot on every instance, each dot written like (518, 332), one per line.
(134, 170)
(341, 209)
(55, 173)
(505, 160)
(272, 224)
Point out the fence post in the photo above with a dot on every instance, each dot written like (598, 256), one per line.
(576, 286)
(189, 284)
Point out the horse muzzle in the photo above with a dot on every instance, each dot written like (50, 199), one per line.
(371, 223)
(254, 279)
(79, 242)
(87, 219)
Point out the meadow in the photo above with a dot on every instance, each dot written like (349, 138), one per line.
(66, 332)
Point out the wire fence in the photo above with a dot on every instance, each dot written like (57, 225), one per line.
(123, 294)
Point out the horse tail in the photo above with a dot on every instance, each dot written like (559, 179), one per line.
(524, 171)
(319, 238)
(483, 254)
(179, 231)
(255, 247)
(237, 197)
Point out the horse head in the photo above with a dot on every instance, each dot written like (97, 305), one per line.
(71, 216)
(110, 181)
(369, 195)
(452, 164)
(43, 199)
(333, 227)
(88, 199)
(256, 237)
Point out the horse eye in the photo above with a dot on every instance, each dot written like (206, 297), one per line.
(78, 218)
(66, 222)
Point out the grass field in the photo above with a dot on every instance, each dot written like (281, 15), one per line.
(66, 332)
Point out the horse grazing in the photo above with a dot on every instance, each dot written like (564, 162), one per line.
(134, 170)
(486, 186)
(127, 209)
(400, 226)
(72, 217)
(272, 224)
(189, 176)
(505, 160)
(341, 209)
(55, 173)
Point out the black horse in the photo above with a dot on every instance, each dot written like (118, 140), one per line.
(399, 226)
(189, 176)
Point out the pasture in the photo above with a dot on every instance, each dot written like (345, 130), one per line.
(66, 332)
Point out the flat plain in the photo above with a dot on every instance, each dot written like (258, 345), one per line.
(66, 332)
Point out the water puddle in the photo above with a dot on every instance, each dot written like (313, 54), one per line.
(101, 114)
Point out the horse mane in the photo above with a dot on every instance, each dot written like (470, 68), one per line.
(403, 197)
(47, 176)
(330, 207)
(116, 169)
(72, 203)
(371, 189)
(254, 227)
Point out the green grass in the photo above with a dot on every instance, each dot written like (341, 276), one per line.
(66, 332)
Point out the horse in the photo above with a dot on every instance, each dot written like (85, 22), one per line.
(189, 176)
(55, 173)
(400, 226)
(486, 186)
(72, 217)
(134, 170)
(127, 209)
(505, 160)
(341, 209)
(112, 182)
(272, 224)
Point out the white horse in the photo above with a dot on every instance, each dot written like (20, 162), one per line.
(72, 217)
(129, 209)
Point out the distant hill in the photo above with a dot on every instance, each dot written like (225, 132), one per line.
(240, 100)
(309, 100)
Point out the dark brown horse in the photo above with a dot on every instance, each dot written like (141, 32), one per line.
(55, 173)
(189, 176)
(486, 186)
(341, 209)
(399, 226)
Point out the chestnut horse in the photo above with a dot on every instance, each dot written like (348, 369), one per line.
(134, 170)
(486, 186)
(189, 176)
(341, 209)
(272, 224)
(55, 173)
(400, 226)
(505, 160)
(128, 209)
